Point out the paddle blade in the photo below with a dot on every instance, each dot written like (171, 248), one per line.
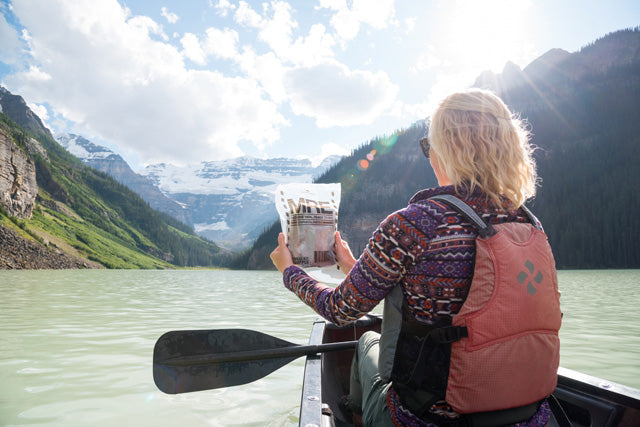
(186, 361)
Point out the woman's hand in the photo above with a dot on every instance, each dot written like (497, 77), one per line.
(281, 257)
(343, 254)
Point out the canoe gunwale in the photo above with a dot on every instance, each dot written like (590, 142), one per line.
(588, 400)
(311, 399)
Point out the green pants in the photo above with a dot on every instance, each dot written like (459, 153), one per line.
(367, 390)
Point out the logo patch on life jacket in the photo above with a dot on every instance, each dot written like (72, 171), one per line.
(524, 276)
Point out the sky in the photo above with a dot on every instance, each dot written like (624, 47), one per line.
(182, 82)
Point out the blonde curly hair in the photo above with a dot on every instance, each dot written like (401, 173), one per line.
(480, 143)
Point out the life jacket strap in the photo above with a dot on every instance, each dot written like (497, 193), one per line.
(442, 334)
(449, 334)
(484, 229)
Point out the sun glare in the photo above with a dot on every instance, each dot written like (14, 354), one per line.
(487, 33)
(468, 37)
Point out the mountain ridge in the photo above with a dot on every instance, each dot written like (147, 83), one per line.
(79, 212)
(584, 121)
(226, 201)
(561, 67)
(105, 160)
(231, 201)
(585, 126)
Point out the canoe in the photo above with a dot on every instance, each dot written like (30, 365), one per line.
(587, 400)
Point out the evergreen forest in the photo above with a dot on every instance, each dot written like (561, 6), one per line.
(583, 112)
(89, 214)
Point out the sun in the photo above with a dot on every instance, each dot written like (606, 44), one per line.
(487, 33)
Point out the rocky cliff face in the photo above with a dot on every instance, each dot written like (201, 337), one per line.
(15, 107)
(18, 187)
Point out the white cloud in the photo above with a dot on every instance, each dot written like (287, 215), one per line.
(246, 16)
(221, 43)
(218, 43)
(171, 17)
(41, 111)
(277, 31)
(326, 150)
(223, 7)
(410, 24)
(303, 70)
(333, 149)
(337, 96)
(35, 74)
(315, 48)
(376, 13)
(106, 71)
(346, 24)
(117, 76)
(146, 25)
(269, 71)
(191, 48)
(10, 43)
(429, 59)
(276, 28)
(346, 20)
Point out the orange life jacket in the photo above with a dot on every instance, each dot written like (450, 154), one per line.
(504, 346)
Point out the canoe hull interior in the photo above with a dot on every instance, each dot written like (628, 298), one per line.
(587, 401)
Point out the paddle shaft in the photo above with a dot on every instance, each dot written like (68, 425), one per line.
(262, 354)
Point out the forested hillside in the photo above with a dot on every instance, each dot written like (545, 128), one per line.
(584, 112)
(89, 216)
(585, 116)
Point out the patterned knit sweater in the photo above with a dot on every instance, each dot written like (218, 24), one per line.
(427, 249)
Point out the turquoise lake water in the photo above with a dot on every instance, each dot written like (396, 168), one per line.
(76, 346)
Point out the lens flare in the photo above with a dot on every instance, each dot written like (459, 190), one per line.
(385, 144)
(350, 180)
(363, 164)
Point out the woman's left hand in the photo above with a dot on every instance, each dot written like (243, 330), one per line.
(281, 257)
(344, 256)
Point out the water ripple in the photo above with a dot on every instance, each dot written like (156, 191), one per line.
(76, 346)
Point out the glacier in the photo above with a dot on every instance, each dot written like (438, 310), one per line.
(230, 202)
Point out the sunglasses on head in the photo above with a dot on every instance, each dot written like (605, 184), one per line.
(424, 144)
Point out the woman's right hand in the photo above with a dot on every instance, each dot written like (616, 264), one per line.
(281, 257)
(343, 254)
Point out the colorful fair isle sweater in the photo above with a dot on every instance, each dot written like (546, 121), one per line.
(428, 250)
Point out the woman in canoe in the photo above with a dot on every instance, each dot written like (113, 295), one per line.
(421, 261)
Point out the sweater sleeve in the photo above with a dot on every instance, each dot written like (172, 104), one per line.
(375, 273)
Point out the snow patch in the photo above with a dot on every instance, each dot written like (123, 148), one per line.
(216, 226)
(231, 177)
(83, 148)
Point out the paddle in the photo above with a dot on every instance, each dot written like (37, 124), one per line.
(186, 361)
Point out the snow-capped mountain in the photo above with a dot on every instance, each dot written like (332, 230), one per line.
(229, 202)
(105, 160)
(86, 150)
(232, 201)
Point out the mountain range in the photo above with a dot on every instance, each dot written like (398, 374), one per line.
(56, 212)
(583, 111)
(582, 108)
(230, 202)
